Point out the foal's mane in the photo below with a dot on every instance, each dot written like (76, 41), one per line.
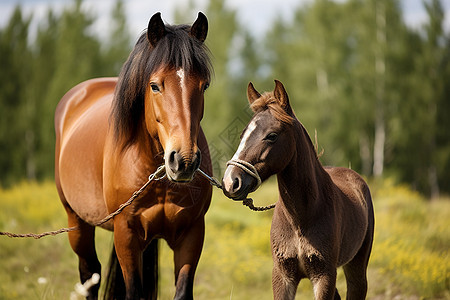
(176, 49)
(268, 101)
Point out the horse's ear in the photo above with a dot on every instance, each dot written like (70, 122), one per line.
(252, 93)
(156, 29)
(199, 29)
(281, 95)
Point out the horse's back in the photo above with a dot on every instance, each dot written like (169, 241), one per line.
(351, 184)
(356, 209)
(79, 99)
(81, 125)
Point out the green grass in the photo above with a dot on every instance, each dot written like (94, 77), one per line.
(410, 258)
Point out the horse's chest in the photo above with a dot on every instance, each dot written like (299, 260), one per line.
(293, 251)
(171, 212)
(284, 243)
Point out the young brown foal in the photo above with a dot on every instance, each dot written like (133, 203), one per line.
(324, 217)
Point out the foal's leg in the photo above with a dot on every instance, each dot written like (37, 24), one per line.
(356, 272)
(325, 286)
(186, 257)
(82, 242)
(283, 287)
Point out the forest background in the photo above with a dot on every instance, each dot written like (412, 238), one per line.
(374, 90)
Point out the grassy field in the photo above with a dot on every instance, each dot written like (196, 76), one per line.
(410, 258)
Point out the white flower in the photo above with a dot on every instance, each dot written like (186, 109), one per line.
(95, 278)
(42, 280)
(83, 289)
(80, 289)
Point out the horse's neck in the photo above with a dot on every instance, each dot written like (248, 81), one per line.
(147, 151)
(301, 181)
(153, 147)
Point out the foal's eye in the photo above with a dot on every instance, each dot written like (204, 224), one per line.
(206, 86)
(271, 137)
(155, 87)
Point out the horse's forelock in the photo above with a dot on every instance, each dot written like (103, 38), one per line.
(268, 101)
(177, 49)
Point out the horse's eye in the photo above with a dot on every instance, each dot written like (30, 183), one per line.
(271, 137)
(155, 87)
(206, 86)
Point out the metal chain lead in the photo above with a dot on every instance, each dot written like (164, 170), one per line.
(212, 180)
(246, 202)
(157, 175)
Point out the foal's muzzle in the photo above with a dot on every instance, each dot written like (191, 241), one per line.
(239, 180)
(180, 169)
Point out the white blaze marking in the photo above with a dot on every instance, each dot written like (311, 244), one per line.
(227, 179)
(251, 127)
(180, 74)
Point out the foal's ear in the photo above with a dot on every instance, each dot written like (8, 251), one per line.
(252, 93)
(156, 29)
(199, 29)
(281, 95)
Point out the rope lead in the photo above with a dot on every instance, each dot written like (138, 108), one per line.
(159, 174)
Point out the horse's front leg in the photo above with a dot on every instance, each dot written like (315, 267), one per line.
(284, 284)
(129, 254)
(186, 257)
(283, 287)
(325, 286)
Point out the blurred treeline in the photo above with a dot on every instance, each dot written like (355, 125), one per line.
(376, 91)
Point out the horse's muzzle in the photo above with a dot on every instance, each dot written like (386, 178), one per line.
(180, 169)
(237, 184)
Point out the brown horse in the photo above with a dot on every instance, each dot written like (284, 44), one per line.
(112, 133)
(324, 217)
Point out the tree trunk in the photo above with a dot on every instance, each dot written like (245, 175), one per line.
(30, 155)
(380, 70)
(364, 153)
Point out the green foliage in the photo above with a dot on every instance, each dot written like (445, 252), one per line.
(410, 257)
(118, 48)
(355, 72)
(14, 58)
(375, 90)
(35, 76)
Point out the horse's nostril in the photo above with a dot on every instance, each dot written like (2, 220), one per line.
(176, 162)
(197, 160)
(172, 157)
(236, 184)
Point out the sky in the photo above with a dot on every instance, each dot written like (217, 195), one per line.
(255, 14)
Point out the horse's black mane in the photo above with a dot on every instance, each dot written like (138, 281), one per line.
(177, 49)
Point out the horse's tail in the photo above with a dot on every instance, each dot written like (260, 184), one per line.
(115, 284)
